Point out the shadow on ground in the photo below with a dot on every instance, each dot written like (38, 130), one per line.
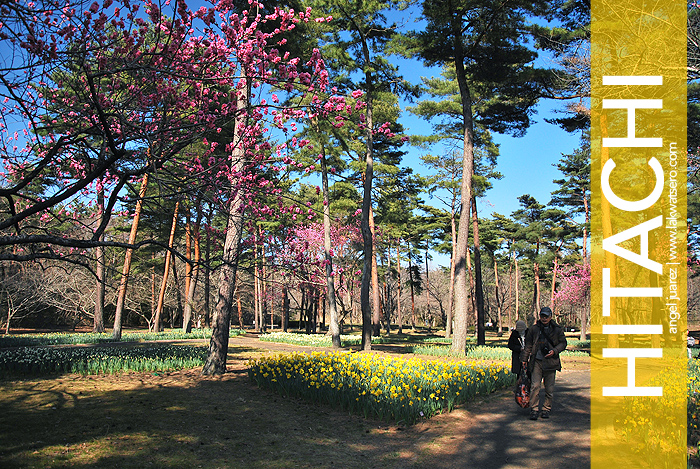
(496, 433)
(183, 420)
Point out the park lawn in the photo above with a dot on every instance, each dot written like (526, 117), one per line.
(179, 419)
(163, 420)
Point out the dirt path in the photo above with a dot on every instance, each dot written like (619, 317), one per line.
(493, 432)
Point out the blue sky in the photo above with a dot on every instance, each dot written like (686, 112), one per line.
(527, 163)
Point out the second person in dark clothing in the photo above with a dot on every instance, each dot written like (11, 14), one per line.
(516, 342)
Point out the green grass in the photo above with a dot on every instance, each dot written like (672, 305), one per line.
(39, 361)
(64, 338)
(481, 352)
(317, 340)
(323, 340)
(578, 344)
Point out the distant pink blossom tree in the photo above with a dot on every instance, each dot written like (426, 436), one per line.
(575, 290)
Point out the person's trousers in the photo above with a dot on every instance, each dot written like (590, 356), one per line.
(538, 375)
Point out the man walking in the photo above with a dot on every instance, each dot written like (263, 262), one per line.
(544, 341)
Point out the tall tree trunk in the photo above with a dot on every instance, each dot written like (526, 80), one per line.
(517, 290)
(285, 308)
(367, 241)
(310, 305)
(317, 309)
(536, 289)
(194, 276)
(178, 294)
(584, 318)
(121, 296)
(207, 272)
(188, 252)
(554, 282)
(153, 291)
(472, 297)
(478, 281)
(511, 322)
(302, 308)
(427, 287)
(333, 327)
(585, 229)
(450, 302)
(376, 306)
(9, 316)
(413, 298)
(498, 299)
(256, 291)
(271, 294)
(221, 323)
(387, 293)
(240, 311)
(166, 272)
(263, 283)
(398, 294)
(98, 324)
(354, 305)
(459, 341)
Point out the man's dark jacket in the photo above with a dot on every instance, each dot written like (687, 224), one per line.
(536, 339)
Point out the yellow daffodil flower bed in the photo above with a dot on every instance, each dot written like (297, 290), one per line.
(404, 390)
(693, 401)
(652, 436)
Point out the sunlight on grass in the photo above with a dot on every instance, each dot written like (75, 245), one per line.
(482, 352)
(316, 340)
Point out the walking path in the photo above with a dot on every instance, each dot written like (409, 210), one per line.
(498, 434)
(494, 432)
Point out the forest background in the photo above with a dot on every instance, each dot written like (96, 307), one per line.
(241, 163)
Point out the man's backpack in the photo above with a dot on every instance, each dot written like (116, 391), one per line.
(522, 389)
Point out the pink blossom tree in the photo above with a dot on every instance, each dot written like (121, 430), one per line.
(95, 96)
(575, 291)
(304, 257)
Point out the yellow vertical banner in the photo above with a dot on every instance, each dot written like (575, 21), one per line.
(638, 251)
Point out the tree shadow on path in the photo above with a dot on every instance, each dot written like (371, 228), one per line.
(497, 434)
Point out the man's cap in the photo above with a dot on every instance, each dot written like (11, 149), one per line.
(545, 311)
(520, 326)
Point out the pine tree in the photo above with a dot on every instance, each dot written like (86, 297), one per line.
(357, 46)
(574, 193)
(485, 43)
